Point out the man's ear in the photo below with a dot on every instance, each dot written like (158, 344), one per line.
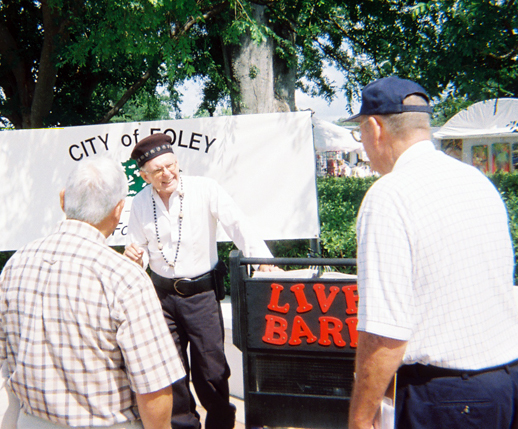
(144, 176)
(62, 199)
(117, 211)
(377, 127)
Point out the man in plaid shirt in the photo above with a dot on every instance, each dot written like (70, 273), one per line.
(81, 326)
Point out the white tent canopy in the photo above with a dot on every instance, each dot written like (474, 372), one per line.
(498, 116)
(329, 137)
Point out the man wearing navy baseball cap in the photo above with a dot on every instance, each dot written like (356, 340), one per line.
(435, 277)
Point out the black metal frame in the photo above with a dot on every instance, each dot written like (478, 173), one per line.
(287, 386)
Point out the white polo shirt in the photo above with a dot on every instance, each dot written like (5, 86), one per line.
(435, 263)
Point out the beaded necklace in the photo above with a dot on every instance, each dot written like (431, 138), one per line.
(180, 218)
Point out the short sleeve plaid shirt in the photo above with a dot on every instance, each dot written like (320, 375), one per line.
(82, 329)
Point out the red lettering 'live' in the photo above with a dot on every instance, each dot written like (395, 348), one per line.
(274, 300)
(351, 298)
(302, 301)
(323, 301)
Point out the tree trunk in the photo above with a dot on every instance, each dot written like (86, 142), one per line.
(47, 72)
(17, 84)
(285, 77)
(261, 81)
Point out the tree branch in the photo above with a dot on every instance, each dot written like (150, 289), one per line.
(127, 95)
(47, 70)
(514, 50)
(176, 33)
(264, 2)
(181, 30)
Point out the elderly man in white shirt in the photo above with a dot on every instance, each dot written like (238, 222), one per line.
(435, 277)
(172, 228)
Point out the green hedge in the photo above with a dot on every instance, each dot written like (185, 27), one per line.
(338, 201)
(507, 184)
(340, 198)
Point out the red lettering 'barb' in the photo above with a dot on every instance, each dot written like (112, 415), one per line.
(331, 326)
(353, 333)
(300, 329)
(275, 332)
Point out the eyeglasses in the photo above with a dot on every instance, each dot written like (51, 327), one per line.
(160, 171)
(356, 132)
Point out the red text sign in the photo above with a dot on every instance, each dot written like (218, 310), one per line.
(304, 315)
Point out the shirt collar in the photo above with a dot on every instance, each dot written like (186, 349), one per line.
(413, 152)
(83, 229)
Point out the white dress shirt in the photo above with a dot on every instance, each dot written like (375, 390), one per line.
(205, 204)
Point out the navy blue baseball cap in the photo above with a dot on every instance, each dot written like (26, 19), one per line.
(385, 96)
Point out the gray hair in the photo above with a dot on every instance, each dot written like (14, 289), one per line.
(93, 189)
(408, 122)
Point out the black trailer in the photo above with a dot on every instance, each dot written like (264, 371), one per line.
(298, 338)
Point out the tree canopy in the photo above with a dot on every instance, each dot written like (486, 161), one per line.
(64, 62)
(462, 52)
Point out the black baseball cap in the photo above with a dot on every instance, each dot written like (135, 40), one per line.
(385, 96)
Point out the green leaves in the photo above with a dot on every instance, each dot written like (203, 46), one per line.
(339, 200)
(461, 51)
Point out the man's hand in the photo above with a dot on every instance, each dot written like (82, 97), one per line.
(377, 360)
(268, 268)
(134, 253)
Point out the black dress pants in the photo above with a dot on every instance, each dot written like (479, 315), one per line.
(197, 322)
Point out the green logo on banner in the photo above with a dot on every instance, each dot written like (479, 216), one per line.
(135, 182)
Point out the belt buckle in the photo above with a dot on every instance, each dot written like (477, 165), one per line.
(179, 280)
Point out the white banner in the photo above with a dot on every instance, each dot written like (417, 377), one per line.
(266, 162)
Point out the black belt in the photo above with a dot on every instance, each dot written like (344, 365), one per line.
(185, 286)
(429, 371)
